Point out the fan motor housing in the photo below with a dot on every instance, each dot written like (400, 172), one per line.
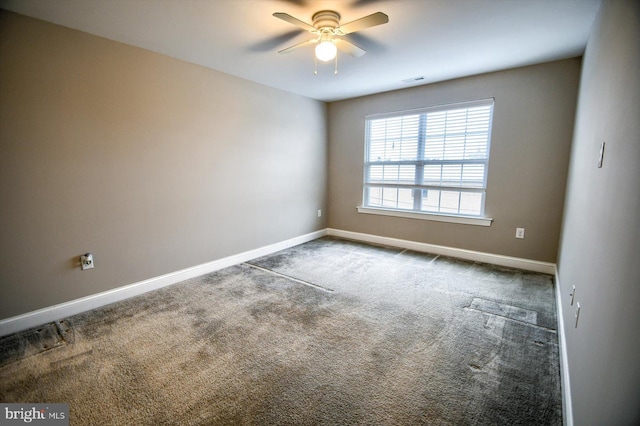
(326, 19)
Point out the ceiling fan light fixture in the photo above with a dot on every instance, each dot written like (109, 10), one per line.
(326, 50)
(328, 34)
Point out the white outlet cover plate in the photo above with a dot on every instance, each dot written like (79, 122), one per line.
(86, 261)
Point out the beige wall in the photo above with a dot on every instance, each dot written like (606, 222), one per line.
(151, 163)
(532, 127)
(600, 246)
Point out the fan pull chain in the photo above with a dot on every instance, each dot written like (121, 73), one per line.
(315, 65)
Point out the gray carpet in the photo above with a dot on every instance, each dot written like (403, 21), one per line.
(329, 332)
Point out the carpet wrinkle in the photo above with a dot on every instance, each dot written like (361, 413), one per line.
(393, 344)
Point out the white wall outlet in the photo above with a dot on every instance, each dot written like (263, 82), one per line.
(319, 212)
(519, 232)
(86, 261)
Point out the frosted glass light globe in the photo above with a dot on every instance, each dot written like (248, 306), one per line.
(326, 51)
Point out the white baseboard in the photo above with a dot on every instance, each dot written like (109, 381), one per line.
(495, 259)
(66, 309)
(567, 410)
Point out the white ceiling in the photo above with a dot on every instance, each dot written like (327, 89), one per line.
(435, 39)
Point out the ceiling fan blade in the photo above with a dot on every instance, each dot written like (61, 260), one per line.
(349, 48)
(272, 42)
(372, 20)
(295, 46)
(295, 21)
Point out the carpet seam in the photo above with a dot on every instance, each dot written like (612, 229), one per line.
(309, 284)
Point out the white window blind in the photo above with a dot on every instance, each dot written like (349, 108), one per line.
(432, 160)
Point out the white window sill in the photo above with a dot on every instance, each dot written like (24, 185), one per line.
(466, 220)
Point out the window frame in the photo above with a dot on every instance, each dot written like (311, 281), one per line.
(419, 164)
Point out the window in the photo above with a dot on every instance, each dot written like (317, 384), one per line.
(432, 160)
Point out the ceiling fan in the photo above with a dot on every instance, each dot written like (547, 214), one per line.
(328, 33)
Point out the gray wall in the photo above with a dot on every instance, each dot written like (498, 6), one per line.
(151, 163)
(600, 244)
(532, 127)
